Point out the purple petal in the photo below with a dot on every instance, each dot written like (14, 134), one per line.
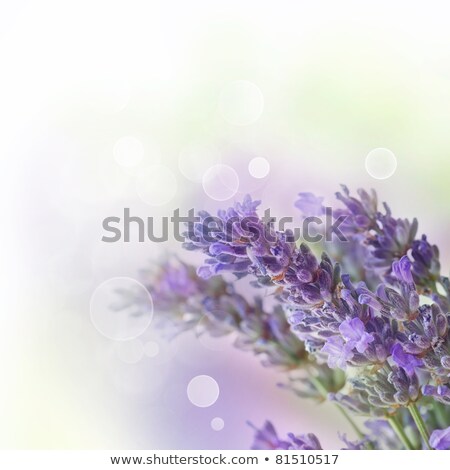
(405, 360)
(440, 439)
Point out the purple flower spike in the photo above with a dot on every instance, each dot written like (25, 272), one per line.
(440, 439)
(355, 334)
(304, 442)
(267, 438)
(353, 445)
(405, 360)
(338, 352)
(248, 206)
(309, 204)
(440, 393)
(205, 272)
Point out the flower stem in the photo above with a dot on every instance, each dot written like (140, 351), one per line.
(324, 392)
(355, 427)
(421, 426)
(398, 429)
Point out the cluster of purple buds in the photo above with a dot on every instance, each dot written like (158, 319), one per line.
(243, 243)
(387, 330)
(388, 388)
(427, 339)
(380, 239)
(423, 340)
(440, 393)
(344, 332)
(440, 439)
(375, 325)
(266, 438)
(345, 325)
(183, 301)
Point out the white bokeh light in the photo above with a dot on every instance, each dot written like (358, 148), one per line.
(151, 348)
(259, 167)
(128, 151)
(220, 182)
(157, 185)
(113, 315)
(381, 163)
(241, 102)
(195, 159)
(217, 424)
(131, 351)
(203, 391)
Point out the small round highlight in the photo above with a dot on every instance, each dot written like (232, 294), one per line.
(220, 182)
(203, 391)
(217, 424)
(195, 159)
(381, 163)
(259, 167)
(151, 348)
(114, 316)
(241, 103)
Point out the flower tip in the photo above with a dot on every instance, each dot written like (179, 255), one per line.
(440, 439)
(204, 272)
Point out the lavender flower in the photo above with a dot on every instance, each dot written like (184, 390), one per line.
(344, 332)
(424, 341)
(399, 351)
(427, 337)
(345, 325)
(440, 393)
(337, 324)
(440, 439)
(353, 445)
(304, 442)
(354, 401)
(238, 236)
(215, 308)
(388, 388)
(242, 243)
(339, 352)
(309, 204)
(407, 361)
(400, 304)
(426, 266)
(354, 333)
(267, 438)
(380, 239)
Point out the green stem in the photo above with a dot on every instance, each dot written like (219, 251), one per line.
(324, 392)
(344, 413)
(421, 426)
(398, 429)
(319, 386)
